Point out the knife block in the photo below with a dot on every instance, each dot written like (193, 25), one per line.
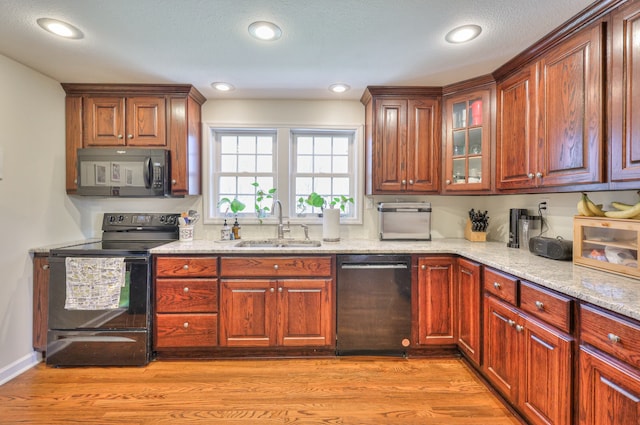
(474, 236)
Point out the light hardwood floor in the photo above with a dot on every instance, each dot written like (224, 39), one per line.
(345, 390)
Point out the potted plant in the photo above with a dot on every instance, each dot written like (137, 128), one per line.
(235, 206)
(261, 195)
(330, 216)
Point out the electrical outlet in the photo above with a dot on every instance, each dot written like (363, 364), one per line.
(543, 204)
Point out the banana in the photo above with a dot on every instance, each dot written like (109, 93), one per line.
(629, 213)
(595, 209)
(582, 207)
(621, 206)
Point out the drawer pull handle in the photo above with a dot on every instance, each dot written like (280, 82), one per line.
(185, 325)
(613, 338)
(496, 285)
(539, 305)
(185, 267)
(511, 322)
(186, 289)
(271, 290)
(45, 267)
(275, 267)
(280, 289)
(519, 328)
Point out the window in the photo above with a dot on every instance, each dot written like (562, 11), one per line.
(323, 163)
(295, 161)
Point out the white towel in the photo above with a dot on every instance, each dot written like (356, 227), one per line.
(94, 283)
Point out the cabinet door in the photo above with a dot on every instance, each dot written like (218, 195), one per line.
(390, 146)
(546, 383)
(435, 301)
(467, 148)
(184, 140)
(423, 146)
(469, 316)
(305, 313)
(609, 390)
(625, 95)
(103, 121)
(501, 347)
(248, 313)
(146, 121)
(516, 146)
(571, 104)
(40, 302)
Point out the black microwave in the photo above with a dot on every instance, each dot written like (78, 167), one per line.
(124, 172)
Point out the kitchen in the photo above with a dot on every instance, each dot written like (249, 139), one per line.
(33, 183)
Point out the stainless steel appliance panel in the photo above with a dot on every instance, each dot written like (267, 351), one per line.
(404, 220)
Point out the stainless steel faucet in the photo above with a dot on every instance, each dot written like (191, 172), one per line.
(281, 228)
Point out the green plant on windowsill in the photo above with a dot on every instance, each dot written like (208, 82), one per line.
(261, 195)
(317, 201)
(234, 205)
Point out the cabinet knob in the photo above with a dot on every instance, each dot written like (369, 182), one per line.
(185, 325)
(45, 267)
(271, 290)
(519, 328)
(448, 181)
(129, 136)
(613, 338)
(404, 182)
(173, 181)
(186, 289)
(275, 267)
(539, 305)
(410, 181)
(539, 174)
(496, 285)
(185, 267)
(423, 267)
(280, 289)
(511, 323)
(75, 181)
(530, 175)
(119, 136)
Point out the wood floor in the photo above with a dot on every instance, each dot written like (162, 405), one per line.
(345, 390)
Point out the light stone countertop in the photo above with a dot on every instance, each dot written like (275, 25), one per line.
(607, 290)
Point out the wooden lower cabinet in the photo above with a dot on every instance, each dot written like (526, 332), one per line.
(435, 300)
(40, 301)
(529, 362)
(276, 313)
(609, 390)
(468, 298)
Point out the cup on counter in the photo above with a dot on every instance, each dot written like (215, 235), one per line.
(186, 232)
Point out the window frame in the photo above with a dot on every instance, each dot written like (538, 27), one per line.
(284, 161)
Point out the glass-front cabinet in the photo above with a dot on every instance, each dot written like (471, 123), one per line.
(467, 147)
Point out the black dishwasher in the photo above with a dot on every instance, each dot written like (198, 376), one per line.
(373, 304)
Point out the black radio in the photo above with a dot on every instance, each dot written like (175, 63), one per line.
(554, 248)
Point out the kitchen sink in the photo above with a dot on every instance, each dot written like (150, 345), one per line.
(278, 243)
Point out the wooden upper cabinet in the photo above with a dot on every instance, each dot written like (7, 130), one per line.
(119, 121)
(624, 145)
(402, 134)
(550, 117)
(137, 115)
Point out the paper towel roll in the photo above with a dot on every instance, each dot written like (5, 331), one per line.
(331, 224)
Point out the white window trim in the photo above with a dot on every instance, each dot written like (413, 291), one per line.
(283, 159)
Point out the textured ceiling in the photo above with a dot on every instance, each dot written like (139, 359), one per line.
(357, 42)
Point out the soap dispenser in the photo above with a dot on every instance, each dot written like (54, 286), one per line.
(236, 229)
(225, 233)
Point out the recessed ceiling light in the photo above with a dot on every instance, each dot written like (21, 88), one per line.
(220, 86)
(339, 88)
(60, 28)
(463, 33)
(267, 31)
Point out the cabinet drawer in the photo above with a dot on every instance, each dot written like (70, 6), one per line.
(553, 308)
(613, 335)
(186, 295)
(186, 330)
(275, 266)
(502, 285)
(186, 266)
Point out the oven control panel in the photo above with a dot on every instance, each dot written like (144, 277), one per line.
(120, 221)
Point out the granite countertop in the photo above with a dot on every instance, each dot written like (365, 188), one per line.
(616, 293)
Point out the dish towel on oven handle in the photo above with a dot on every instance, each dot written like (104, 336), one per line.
(94, 283)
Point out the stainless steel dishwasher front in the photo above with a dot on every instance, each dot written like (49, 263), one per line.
(373, 304)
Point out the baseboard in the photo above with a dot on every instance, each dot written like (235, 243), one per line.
(20, 366)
